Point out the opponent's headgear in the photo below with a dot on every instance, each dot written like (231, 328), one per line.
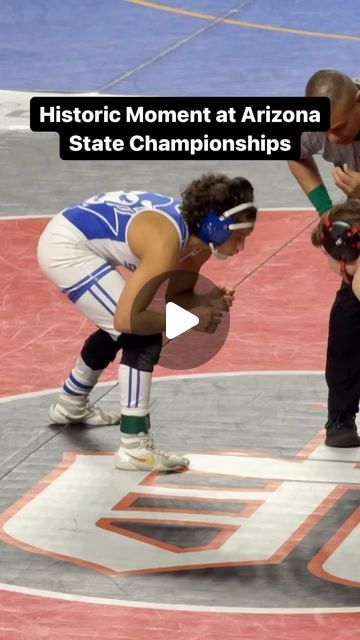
(215, 229)
(340, 240)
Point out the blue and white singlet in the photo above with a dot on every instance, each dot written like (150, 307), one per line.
(103, 221)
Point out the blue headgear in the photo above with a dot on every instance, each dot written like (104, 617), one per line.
(215, 229)
(340, 240)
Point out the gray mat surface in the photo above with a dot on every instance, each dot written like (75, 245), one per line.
(274, 414)
(34, 181)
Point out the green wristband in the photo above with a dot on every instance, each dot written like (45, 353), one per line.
(320, 199)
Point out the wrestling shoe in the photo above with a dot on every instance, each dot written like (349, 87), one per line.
(79, 410)
(341, 431)
(138, 453)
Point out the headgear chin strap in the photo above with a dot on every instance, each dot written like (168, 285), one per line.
(215, 252)
(215, 229)
(340, 240)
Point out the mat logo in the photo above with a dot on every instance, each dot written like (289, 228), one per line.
(227, 510)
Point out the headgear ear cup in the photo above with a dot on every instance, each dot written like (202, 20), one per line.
(340, 240)
(213, 229)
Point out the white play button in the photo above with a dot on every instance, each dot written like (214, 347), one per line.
(182, 349)
(178, 320)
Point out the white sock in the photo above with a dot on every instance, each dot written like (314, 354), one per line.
(80, 380)
(135, 388)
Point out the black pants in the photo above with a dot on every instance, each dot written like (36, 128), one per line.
(343, 353)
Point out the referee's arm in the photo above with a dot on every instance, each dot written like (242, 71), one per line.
(308, 177)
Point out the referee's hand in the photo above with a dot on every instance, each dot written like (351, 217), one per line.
(347, 180)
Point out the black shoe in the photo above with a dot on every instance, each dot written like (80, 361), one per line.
(341, 431)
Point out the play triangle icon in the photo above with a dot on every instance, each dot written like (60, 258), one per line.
(178, 320)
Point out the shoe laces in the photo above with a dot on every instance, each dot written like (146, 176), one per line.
(148, 441)
(342, 420)
(91, 410)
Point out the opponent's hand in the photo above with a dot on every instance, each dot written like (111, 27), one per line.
(209, 318)
(347, 180)
(221, 298)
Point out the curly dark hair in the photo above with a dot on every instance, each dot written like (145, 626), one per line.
(348, 211)
(215, 192)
